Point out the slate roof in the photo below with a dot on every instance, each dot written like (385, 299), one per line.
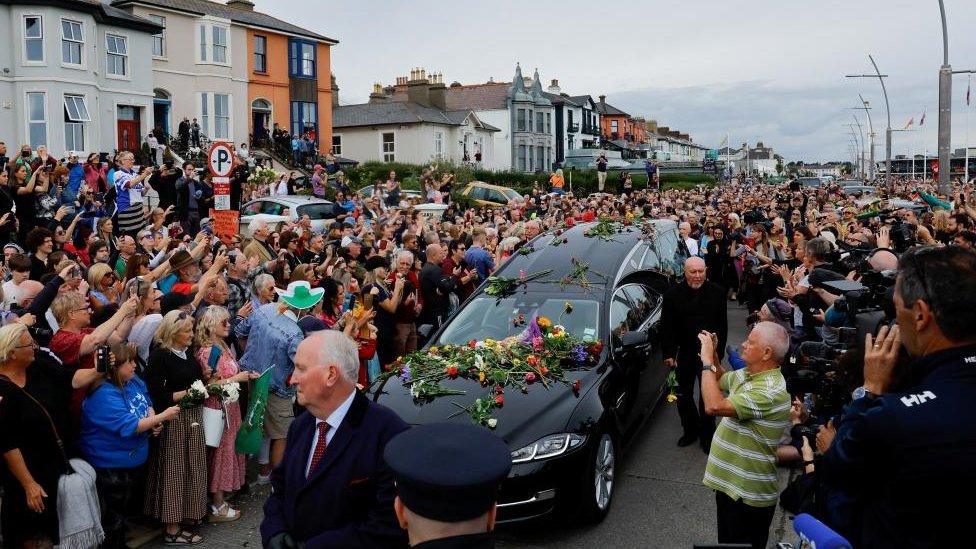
(397, 112)
(102, 12)
(610, 110)
(246, 17)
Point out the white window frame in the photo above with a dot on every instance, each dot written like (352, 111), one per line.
(215, 44)
(387, 155)
(207, 114)
(263, 54)
(336, 149)
(25, 38)
(79, 103)
(28, 121)
(438, 144)
(218, 118)
(207, 47)
(126, 65)
(161, 21)
(80, 44)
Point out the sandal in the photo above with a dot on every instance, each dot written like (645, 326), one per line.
(223, 513)
(182, 538)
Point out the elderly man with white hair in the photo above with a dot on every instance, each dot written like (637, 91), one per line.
(742, 461)
(259, 247)
(333, 488)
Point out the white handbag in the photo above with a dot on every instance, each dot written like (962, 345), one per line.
(213, 426)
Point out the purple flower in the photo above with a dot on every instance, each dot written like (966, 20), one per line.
(405, 373)
(578, 353)
(531, 332)
(537, 343)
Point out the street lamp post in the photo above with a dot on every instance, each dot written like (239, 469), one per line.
(866, 107)
(860, 133)
(945, 109)
(884, 91)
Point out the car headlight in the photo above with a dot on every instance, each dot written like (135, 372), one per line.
(547, 447)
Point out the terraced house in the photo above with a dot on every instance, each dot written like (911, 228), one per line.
(236, 70)
(74, 75)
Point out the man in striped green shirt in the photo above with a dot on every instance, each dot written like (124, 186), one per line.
(742, 461)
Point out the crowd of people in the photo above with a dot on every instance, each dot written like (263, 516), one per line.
(119, 304)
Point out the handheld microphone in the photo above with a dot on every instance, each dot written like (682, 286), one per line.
(816, 534)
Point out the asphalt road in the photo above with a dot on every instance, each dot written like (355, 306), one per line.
(660, 501)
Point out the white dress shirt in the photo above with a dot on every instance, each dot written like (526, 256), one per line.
(334, 420)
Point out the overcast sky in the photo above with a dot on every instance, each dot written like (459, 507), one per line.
(769, 70)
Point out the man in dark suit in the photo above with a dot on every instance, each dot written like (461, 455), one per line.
(688, 308)
(333, 488)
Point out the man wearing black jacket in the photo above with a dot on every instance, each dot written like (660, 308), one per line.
(434, 286)
(688, 308)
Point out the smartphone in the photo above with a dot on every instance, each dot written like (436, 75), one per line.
(368, 301)
(75, 272)
(101, 359)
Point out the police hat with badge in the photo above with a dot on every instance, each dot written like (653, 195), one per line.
(448, 473)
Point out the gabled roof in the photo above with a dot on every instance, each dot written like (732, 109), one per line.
(102, 12)
(610, 110)
(582, 100)
(244, 17)
(561, 99)
(399, 112)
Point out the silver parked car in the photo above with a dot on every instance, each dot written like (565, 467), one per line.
(280, 208)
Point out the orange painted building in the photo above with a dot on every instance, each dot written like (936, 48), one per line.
(615, 124)
(290, 84)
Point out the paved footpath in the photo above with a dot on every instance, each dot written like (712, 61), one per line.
(660, 500)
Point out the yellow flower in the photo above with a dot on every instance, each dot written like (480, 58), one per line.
(433, 350)
(543, 322)
(672, 398)
(490, 343)
(481, 377)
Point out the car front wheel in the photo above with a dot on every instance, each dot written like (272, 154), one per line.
(589, 499)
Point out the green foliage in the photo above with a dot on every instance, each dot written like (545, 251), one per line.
(582, 181)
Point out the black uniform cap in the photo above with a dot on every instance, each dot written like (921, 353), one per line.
(448, 472)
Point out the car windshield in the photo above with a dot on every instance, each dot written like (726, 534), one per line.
(316, 211)
(512, 194)
(810, 181)
(489, 317)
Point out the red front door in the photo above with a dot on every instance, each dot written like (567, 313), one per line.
(128, 135)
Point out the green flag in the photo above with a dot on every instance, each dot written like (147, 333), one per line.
(252, 425)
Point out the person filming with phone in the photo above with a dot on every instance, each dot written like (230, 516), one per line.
(908, 454)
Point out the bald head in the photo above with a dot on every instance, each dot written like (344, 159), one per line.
(28, 291)
(435, 254)
(695, 272)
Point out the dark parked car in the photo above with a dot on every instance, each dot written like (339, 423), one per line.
(565, 445)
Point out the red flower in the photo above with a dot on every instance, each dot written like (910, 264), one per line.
(472, 343)
(499, 389)
(532, 360)
(596, 348)
(576, 386)
(451, 371)
(530, 377)
(500, 400)
(559, 232)
(570, 222)
(543, 370)
(626, 222)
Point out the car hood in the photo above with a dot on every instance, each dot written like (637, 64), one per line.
(524, 418)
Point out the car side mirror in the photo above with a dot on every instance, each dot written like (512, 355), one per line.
(424, 330)
(632, 339)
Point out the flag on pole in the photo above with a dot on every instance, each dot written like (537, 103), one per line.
(911, 121)
(252, 427)
(922, 121)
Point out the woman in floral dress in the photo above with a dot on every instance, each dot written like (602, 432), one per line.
(226, 466)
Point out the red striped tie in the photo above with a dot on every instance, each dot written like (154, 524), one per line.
(319, 447)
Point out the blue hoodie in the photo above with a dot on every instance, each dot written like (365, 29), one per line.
(109, 419)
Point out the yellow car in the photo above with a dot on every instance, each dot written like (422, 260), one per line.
(486, 194)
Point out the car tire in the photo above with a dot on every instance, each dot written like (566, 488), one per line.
(588, 500)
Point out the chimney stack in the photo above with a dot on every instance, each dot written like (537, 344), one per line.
(603, 104)
(554, 87)
(335, 91)
(417, 88)
(244, 5)
(437, 92)
(378, 95)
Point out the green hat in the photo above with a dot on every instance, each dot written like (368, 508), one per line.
(301, 295)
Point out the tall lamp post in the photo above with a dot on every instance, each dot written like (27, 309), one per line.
(884, 90)
(945, 109)
(859, 133)
(866, 107)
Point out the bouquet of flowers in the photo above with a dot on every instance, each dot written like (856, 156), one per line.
(263, 176)
(228, 392)
(194, 395)
(543, 354)
(672, 386)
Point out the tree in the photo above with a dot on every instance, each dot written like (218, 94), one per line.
(779, 166)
